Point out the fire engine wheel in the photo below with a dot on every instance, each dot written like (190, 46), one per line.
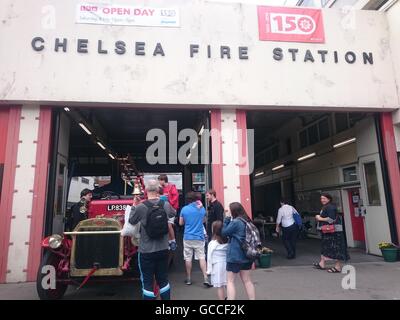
(49, 259)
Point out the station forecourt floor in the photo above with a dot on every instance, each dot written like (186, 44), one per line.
(286, 279)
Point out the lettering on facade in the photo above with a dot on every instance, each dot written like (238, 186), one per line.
(195, 51)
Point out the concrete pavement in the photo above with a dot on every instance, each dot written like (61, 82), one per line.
(286, 279)
(374, 280)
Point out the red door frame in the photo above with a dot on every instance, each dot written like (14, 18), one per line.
(392, 161)
(10, 165)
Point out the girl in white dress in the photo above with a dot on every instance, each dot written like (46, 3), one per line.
(216, 260)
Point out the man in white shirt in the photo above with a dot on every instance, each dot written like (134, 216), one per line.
(289, 228)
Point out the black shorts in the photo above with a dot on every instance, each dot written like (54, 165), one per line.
(237, 267)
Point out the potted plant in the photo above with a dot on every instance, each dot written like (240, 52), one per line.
(389, 251)
(265, 258)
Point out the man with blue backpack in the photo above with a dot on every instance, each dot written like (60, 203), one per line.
(290, 221)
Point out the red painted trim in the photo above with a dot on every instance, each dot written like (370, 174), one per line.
(10, 165)
(4, 112)
(245, 190)
(389, 144)
(39, 195)
(357, 223)
(216, 162)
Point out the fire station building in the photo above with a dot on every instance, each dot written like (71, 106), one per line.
(82, 83)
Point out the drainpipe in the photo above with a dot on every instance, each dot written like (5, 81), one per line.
(386, 181)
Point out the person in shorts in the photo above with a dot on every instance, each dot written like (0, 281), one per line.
(193, 218)
(235, 229)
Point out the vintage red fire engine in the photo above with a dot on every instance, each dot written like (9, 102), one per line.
(94, 250)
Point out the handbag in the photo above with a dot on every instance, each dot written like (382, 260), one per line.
(329, 228)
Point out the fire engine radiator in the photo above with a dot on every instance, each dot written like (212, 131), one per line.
(97, 248)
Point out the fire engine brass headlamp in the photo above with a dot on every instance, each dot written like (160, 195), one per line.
(55, 241)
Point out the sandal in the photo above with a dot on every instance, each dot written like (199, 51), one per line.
(318, 266)
(334, 270)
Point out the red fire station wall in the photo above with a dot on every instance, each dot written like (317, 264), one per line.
(24, 150)
(3, 135)
(9, 138)
(229, 148)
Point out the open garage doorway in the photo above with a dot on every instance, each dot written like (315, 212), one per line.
(93, 145)
(298, 156)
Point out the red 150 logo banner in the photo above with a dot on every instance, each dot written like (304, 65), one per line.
(290, 24)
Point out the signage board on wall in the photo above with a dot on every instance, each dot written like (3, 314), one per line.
(123, 15)
(290, 24)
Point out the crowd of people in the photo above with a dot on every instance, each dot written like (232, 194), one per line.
(223, 241)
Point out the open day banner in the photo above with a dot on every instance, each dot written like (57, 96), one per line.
(113, 14)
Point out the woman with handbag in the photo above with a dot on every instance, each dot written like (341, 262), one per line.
(333, 245)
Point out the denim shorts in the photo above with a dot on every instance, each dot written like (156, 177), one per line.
(237, 267)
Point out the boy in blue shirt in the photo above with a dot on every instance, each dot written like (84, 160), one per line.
(193, 218)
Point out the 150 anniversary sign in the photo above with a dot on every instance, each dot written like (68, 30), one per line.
(290, 24)
(126, 15)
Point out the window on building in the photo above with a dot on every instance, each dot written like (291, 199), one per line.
(344, 121)
(303, 139)
(371, 179)
(314, 133)
(85, 180)
(341, 122)
(267, 156)
(323, 128)
(198, 182)
(350, 174)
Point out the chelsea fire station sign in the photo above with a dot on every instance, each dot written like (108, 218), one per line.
(278, 24)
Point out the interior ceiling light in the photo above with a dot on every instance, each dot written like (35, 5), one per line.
(259, 174)
(85, 128)
(101, 145)
(307, 156)
(278, 167)
(344, 143)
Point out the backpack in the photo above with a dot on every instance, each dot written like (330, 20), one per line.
(157, 220)
(252, 243)
(297, 219)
